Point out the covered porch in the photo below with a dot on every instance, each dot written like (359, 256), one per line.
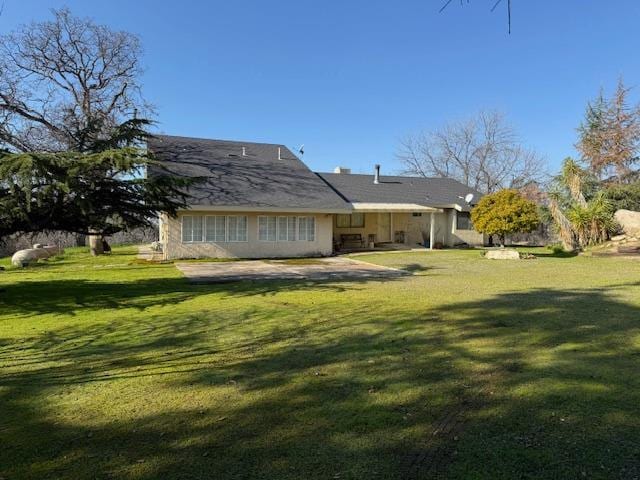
(389, 226)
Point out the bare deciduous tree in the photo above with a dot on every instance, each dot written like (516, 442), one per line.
(482, 152)
(66, 83)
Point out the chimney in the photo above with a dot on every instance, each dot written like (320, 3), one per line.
(376, 178)
(342, 170)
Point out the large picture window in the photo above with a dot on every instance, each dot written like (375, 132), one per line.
(355, 220)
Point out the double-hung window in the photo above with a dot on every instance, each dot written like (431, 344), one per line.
(236, 228)
(191, 228)
(215, 228)
(267, 227)
(286, 229)
(307, 228)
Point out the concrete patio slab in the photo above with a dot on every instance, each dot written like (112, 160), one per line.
(316, 269)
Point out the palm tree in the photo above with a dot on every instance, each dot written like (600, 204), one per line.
(580, 221)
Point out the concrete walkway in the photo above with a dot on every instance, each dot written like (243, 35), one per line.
(303, 269)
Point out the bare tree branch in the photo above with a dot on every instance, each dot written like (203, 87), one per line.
(65, 83)
(482, 152)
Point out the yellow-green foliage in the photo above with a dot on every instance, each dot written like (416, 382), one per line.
(505, 212)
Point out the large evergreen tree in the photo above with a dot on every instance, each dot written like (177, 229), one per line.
(609, 137)
(88, 193)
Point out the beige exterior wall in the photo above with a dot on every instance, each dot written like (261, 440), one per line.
(174, 248)
(416, 229)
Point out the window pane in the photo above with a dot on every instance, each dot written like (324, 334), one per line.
(262, 229)
(187, 225)
(271, 228)
(282, 229)
(221, 229)
(214, 229)
(291, 224)
(197, 229)
(343, 221)
(302, 228)
(311, 229)
(463, 221)
(242, 229)
(357, 219)
(237, 229)
(267, 229)
(232, 224)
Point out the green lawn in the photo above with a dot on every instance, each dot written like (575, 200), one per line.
(468, 369)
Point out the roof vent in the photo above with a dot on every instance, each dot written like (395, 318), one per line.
(343, 170)
(279, 153)
(244, 151)
(376, 177)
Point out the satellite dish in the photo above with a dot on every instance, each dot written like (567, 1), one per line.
(468, 198)
(301, 149)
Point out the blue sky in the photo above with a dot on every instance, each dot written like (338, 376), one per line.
(349, 78)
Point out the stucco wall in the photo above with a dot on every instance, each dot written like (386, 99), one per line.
(399, 222)
(415, 228)
(174, 248)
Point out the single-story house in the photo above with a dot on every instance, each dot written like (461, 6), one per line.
(257, 200)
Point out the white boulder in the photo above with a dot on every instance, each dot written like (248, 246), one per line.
(502, 254)
(22, 258)
(629, 221)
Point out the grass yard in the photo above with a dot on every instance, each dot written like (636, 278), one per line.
(469, 369)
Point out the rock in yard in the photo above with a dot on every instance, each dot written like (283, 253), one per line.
(502, 254)
(629, 221)
(22, 258)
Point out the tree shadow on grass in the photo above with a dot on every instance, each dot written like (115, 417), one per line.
(65, 296)
(537, 384)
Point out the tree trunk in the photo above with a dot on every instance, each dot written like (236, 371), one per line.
(95, 245)
(81, 240)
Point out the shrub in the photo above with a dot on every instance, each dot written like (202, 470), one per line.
(505, 212)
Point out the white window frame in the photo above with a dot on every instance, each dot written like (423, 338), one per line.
(306, 229)
(246, 229)
(267, 218)
(203, 229)
(214, 218)
(192, 223)
(287, 220)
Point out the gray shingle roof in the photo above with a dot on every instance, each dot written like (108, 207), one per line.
(428, 192)
(257, 180)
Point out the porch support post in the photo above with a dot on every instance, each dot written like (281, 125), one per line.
(432, 232)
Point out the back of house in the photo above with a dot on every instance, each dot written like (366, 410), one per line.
(259, 200)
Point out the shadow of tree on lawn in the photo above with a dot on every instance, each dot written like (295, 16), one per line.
(536, 384)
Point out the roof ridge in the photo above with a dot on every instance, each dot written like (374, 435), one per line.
(385, 175)
(239, 142)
